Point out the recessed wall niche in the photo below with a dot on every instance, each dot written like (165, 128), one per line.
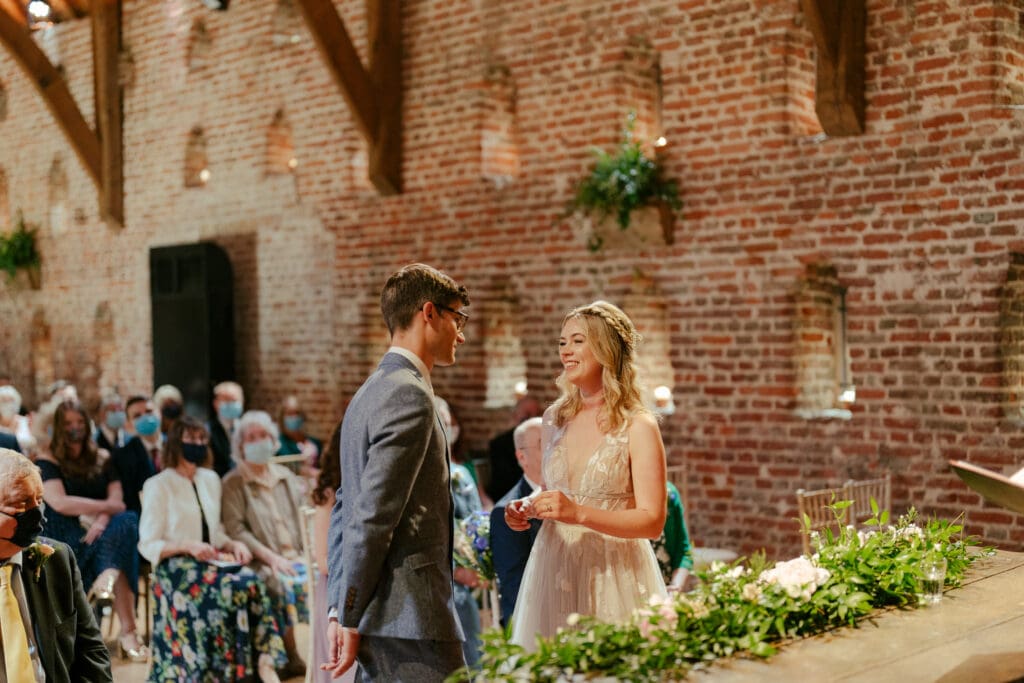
(286, 25)
(821, 358)
(200, 46)
(280, 152)
(5, 202)
(1011, 338)
(505, 358)
(58, 192)
(197, 171)
(499, 151)
(3, 101)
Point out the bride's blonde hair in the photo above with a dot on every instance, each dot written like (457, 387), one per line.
(612, 338)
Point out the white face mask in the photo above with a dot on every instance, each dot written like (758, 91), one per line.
(258, 452)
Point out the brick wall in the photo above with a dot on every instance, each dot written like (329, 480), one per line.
(919, 217)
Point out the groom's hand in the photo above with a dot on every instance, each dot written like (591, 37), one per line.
(343, 643)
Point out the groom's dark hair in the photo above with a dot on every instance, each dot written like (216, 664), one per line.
(407, 290)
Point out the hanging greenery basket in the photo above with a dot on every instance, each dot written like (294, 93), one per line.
(608, 207)
(18, 252)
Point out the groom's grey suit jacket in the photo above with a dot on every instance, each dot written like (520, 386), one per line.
(390, 539)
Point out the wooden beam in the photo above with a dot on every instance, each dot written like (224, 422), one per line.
(15, 35)
(385, 32)
(15, 10)
(336, 46)
(106, 50)
(374, 95)
(839, 29)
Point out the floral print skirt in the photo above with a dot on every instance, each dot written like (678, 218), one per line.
(210, 623)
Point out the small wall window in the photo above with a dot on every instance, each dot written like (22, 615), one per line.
(280, 147)
(824, 385)
(197, 170)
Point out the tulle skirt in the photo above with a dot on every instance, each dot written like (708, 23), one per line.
(575, 570)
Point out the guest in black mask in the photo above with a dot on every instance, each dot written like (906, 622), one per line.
(169, 403)
(42, 600)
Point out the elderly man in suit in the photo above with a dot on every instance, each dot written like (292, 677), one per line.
(511, 549)
(49, 631)
(390, 538)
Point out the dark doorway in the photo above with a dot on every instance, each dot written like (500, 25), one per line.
(193, 321)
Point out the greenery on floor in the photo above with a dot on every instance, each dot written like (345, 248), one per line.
(746, 607)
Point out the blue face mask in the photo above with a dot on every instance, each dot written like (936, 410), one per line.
(147, 424)
(293, 423)
(259, 452)
(116, 419)
(230, 410)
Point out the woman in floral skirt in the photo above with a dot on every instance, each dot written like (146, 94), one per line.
(213, 618)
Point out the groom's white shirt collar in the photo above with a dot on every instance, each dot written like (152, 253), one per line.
(418, 362)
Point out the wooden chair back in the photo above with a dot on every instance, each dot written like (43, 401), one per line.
(861, 493)
(814, 504)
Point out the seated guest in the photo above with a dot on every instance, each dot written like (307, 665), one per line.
(85, 509)
(110, 434)
(228, 400)
(295, 440)
(169, 405)
(505, 471)
(52, 634)
(212, 614)
(12, 421)
(139, 458)
(262, 506)
(511, 549)
(672, 548)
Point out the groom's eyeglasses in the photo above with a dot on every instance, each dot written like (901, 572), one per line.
(460, 317)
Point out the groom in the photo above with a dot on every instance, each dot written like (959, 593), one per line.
(390, 538)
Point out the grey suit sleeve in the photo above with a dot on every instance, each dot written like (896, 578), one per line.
(401, 425)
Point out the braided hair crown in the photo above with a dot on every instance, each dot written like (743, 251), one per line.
(615, 319)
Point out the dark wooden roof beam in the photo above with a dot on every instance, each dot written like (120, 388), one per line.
(839, 28)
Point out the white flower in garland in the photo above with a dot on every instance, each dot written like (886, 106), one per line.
(798, 577)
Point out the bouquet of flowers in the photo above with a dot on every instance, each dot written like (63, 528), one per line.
(473, 544)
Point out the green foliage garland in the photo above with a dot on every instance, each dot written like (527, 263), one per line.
(18, 248)
(743, 609)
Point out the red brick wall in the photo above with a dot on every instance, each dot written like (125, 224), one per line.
(918, 215)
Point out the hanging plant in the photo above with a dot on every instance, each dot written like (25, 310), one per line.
(18, 251)
(623, 182)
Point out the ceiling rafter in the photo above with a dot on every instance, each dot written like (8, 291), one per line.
(374, 94)
(100, 151)
(839, 29)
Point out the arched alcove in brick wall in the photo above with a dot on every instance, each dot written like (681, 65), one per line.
(499, 151)
(200, 46)
(286, 26)
(106, 346)
(5, 202)
(818, 337)
(1011, 337)
(57, 209)
(41, 357)
(647, 307)
(280, 151)
(196, 163)
(636, 84)
(504, 357)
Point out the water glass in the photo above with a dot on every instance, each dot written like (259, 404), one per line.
(933, 577)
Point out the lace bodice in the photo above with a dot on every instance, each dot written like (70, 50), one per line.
(604, 480)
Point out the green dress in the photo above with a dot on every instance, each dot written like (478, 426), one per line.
(672, 548)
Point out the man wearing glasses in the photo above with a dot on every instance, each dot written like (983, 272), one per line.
(390, 538)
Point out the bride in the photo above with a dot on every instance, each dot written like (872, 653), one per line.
(604, 468)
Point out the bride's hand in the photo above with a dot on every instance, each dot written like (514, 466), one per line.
(517, 515)
(555, 505)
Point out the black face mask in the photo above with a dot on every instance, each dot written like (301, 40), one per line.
(172, 411)
(194, 453)
(30, 525)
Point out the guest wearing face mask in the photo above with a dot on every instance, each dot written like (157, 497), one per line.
(295, 440)
(110, 434)
(262, 508)
(86, 510)
(51, 633)
(228, 400)
(169, 405)
(213, 618)
(140, 458)
(12, 422)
